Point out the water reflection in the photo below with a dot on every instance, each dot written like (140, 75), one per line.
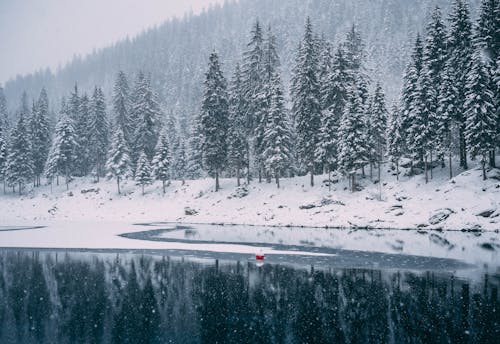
(89, 298)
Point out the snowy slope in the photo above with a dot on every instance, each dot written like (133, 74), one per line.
(407, 204)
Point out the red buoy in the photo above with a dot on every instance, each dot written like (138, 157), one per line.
(259, 256)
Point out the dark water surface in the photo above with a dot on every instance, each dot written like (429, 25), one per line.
(56, 297)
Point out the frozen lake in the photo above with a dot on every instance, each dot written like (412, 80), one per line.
(162, 282)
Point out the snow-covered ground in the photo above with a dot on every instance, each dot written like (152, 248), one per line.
(93, 216)
(465, 202)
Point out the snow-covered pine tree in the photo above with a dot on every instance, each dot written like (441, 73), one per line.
(99, 132)
(19, 168)
(194, 158)
(237, 136)
(481, 122)
(460, 51)
(306, 100)
(277, 138)
(121, 107)
(333, 95)
(62, 156)
(353, 152)
(180, 161)
(271, 58)
(434, 55)
(488, 31)
(434, 60)
(3, 156)
(444, 119)
(253, 73)
(214, 120)
(261, 118)
(395, 138)
(146, 112)
(24, 109)
(4, 113)
(143, 171)
(162, 160)
(84, 163)
(377, 128)
(409, 94)
(487, 37)
(76, 111)
(118, 165)
(325, 71)
(355, 55)
(421, 133)
(40, 135)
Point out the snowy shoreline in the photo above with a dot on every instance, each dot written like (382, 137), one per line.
(465, 203)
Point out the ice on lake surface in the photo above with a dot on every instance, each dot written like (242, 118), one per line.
(76, 297)
(163, 282)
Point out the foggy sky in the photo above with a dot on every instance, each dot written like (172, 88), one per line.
(36, 34)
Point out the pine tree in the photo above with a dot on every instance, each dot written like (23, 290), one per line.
(434, 55)
(377, 127)
(333, 95)
(253, 73)
(395, 138)
(98, 130)
(261, 118)
(3, 156)
(4, 113)
(214, 120)
(353, 153)
(434, 60)
(481, 123)
(325, 72)
(445, 117)
(410, 96)
(84, 135)
(118, 165)
(146, 112)
(460, 49)
(237, 138)
(306, 103)
(121, 107)
(271, 59)
(143, 171)
(277, 138)
(162, 159)
(194, 158)
(488, 39)
(180, 161)
(19, 167)
(40, 136)
(62, 156)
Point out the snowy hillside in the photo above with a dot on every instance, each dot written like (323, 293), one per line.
(463, 203)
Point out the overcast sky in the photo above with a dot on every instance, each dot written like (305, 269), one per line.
(35, 34)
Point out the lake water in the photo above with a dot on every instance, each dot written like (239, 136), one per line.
(89, 297)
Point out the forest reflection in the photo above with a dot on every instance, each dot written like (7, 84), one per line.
(91, 298)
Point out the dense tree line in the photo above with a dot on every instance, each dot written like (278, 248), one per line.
(335, 119)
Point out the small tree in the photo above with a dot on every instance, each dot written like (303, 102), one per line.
(143, 171)
(118, 164)
(162, 160)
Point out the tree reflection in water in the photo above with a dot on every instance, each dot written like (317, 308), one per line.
(89, 298)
